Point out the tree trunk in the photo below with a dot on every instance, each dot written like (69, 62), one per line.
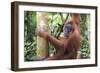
(42, 44)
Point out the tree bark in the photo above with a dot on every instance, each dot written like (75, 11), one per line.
(42, 44)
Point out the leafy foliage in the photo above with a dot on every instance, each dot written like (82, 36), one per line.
(85, 34)
(29, 35)
(55, 22)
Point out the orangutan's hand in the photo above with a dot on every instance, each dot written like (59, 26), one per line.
(43, 34)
